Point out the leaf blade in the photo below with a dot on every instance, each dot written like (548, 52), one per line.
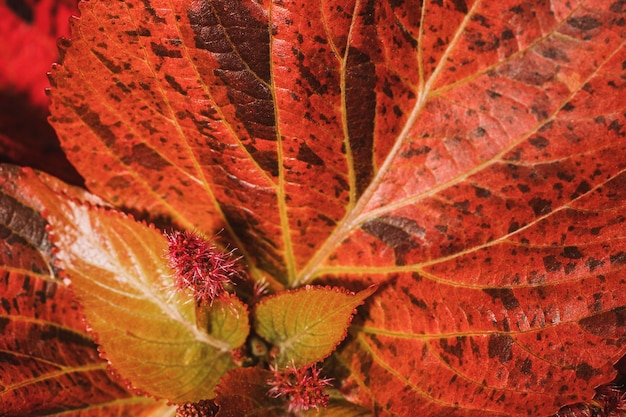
(117, 269)
(307, 324)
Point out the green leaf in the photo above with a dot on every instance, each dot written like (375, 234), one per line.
(146, 329)
(226, 319)
(308, 323)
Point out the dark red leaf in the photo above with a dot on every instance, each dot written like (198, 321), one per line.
(29, 32)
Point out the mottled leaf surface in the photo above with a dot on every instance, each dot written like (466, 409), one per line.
(468, 156)
(308, 323)
(48, 361)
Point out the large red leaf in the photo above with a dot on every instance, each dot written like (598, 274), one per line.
(48, 361)
(468, 156)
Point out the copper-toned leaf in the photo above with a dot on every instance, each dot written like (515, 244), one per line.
(243, 392)
(306, 324)
(466, 155)
(48, 361)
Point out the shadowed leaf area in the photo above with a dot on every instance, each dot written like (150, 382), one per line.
(466, 157)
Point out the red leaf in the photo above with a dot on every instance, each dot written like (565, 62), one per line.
(49, 363)
(29, 32)
(467, 156)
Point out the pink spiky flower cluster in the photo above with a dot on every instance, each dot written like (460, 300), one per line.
(200, 265)
(303, 388)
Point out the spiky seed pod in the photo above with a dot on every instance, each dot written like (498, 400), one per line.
(200, 265)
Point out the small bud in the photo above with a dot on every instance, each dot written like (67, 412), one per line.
(200, 265)
(303, 388)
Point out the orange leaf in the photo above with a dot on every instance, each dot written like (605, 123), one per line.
(468, 156)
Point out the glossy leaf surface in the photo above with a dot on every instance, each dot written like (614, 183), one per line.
(468, 156)
(306, 324)
(49, 363)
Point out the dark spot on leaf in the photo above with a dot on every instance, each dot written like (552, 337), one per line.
(240, 44)
(306, 155)
(513, 227)
(162, 51)
(568, 106)
(555, 54)
(500, 346)
(175, 85)
(524, 188)
(22, 9)
(152, 12)
(460, 6)
(505, 295)
(455, 349)
(507, 34)
(552, 264)
(526, 366)
(4, 322)
(266, 160)
(481, 192)
(415, 151)
(399, 233)
(539, 142)
(147, 157)
(571, 252)
(592, 264)
(92, 120)
(584, 23)
(463, 206)
(595, 231)
(114, 68)
(540, 206)
(586, 371)
(582, 189)
(141, 31)
(565, 176)
(618, 259)
(421, 304)
(618, 6)
(361, 113)
(610, 324)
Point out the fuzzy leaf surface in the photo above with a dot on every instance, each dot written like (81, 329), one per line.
(49, 361)
(467, 156)
(308, 323)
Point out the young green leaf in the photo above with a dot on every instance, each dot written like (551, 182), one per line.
(146, 328)
(308, 323)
